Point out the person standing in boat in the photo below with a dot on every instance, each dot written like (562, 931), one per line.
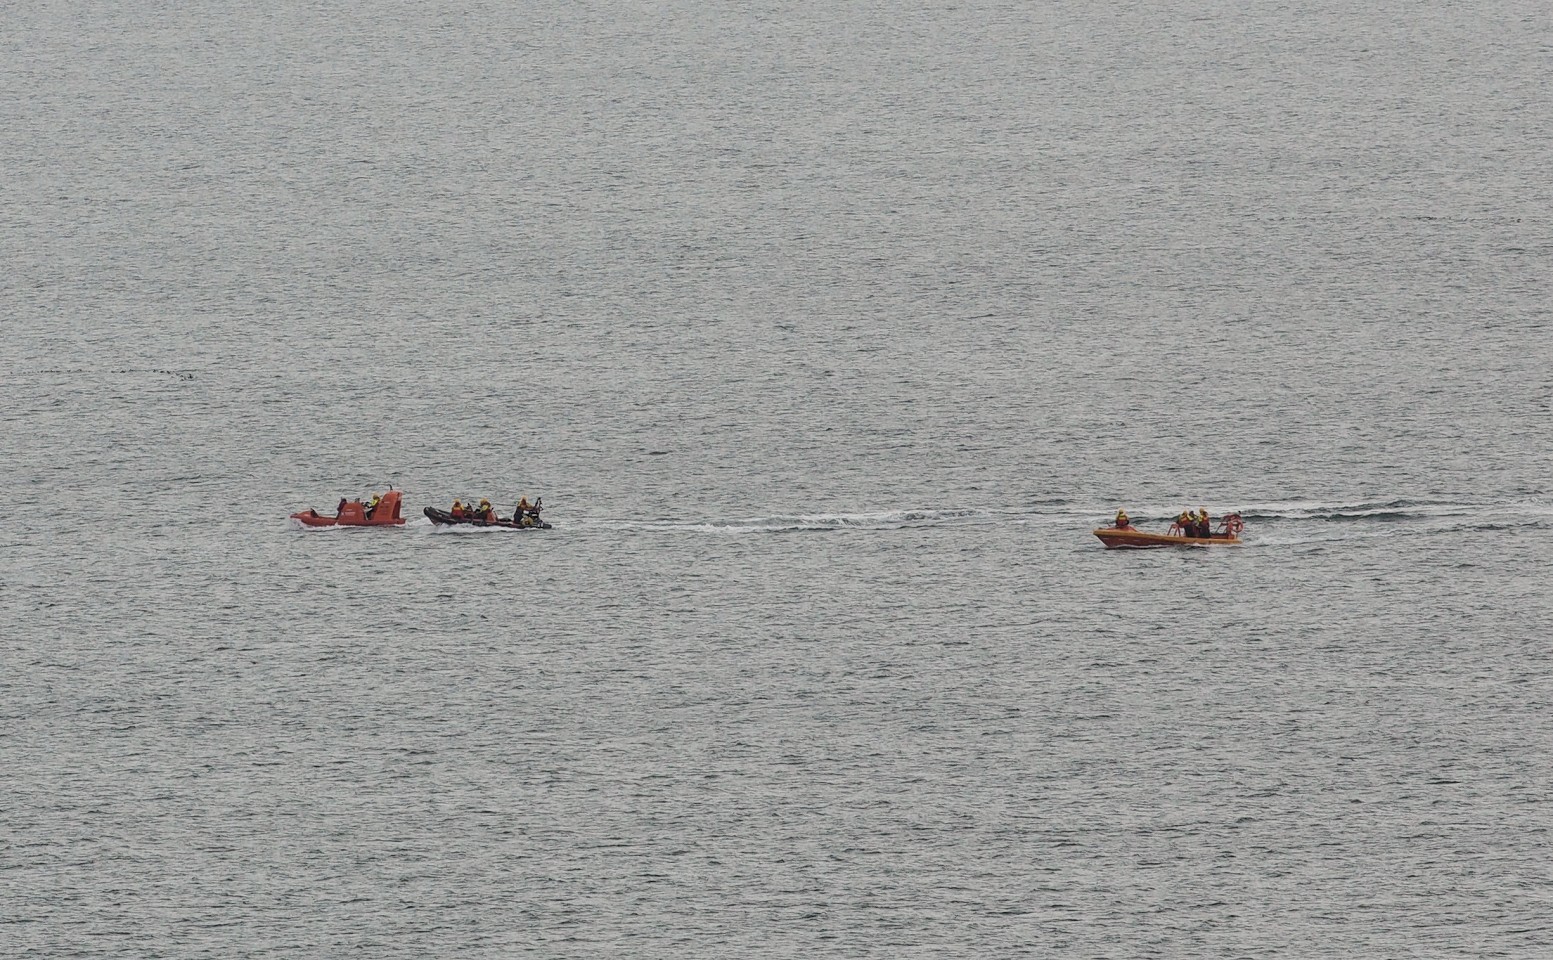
(1204, 524)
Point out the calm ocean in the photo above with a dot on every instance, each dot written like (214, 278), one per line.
(827, 332)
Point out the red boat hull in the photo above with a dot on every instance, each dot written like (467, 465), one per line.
(1115, 539)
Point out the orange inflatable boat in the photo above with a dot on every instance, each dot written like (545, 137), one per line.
(1131, 538)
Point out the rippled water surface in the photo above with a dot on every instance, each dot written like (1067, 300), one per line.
(828, 333)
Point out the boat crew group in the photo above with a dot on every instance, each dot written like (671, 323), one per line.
(525, 516)
(1190, 529)
(383, 510)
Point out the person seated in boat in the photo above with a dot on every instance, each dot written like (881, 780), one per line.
(372, 504)
(484, 512)
(1122, 523)
(458, 510)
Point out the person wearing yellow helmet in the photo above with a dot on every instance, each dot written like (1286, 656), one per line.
(1204, 525)
(458, 510)
(484, 512)
(1122, 522)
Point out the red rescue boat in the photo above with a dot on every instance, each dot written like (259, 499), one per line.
(354, 513)
(1131, 538)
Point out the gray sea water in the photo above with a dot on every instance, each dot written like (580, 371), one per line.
(827, 332)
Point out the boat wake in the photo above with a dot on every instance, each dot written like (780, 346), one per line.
(1293, 523)
(1373, 511)
(793, 523)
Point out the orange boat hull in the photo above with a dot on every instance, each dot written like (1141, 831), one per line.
(1115, 539)
(354, 514)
